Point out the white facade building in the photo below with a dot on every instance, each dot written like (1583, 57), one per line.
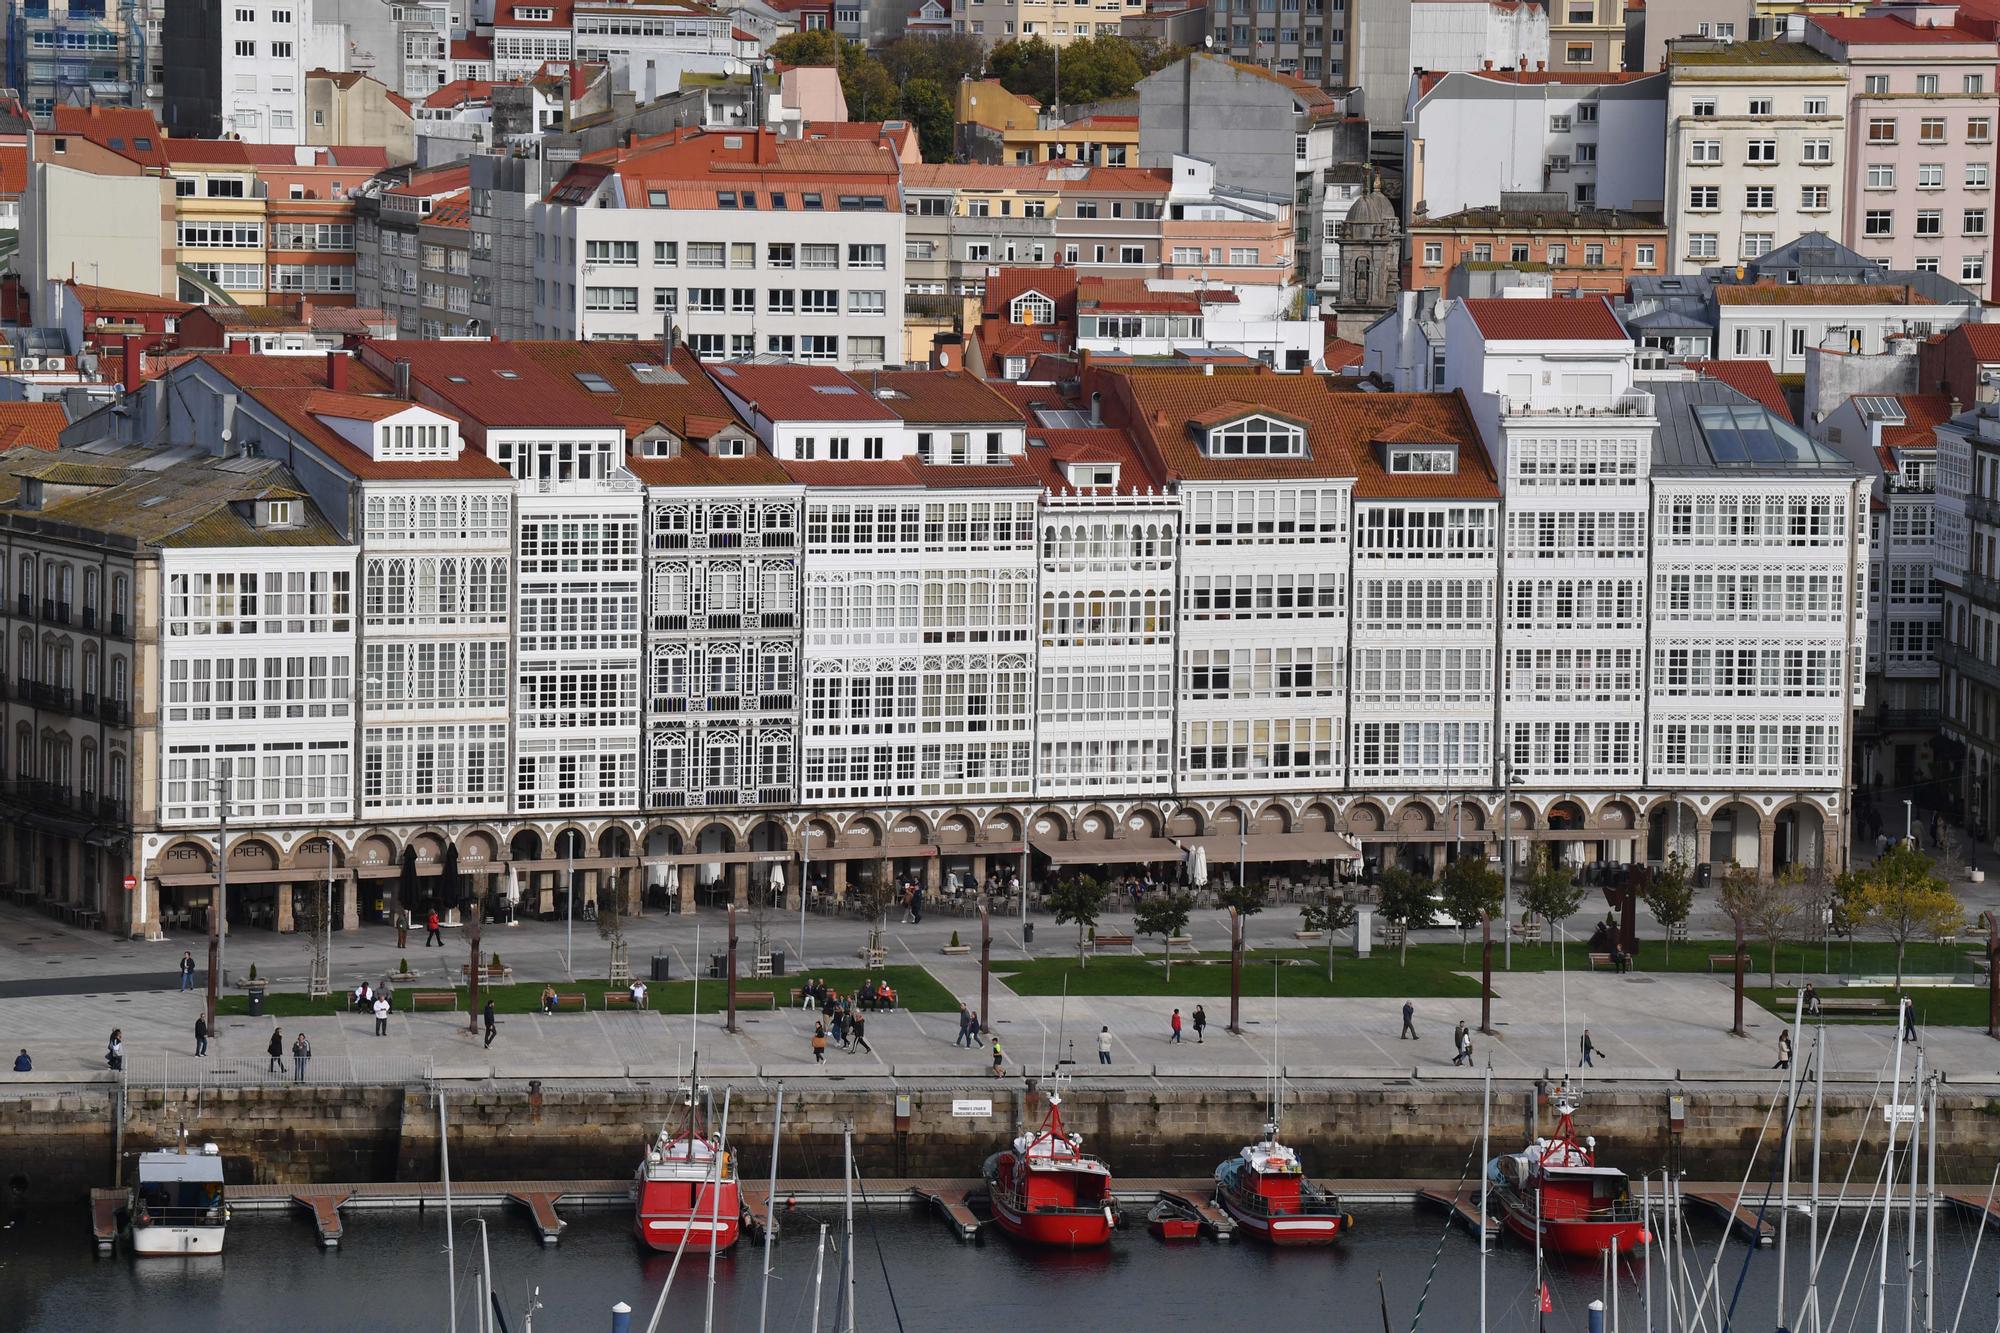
(265, 56)
(1478, 34)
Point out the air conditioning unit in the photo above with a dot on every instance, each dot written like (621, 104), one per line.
(29, 363)
(54, 363)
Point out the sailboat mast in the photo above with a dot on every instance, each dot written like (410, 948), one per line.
(819, 1272)
(715, 1210)
(450, 1249)
(1916, 1174)
(847, 1143)
(1930, 1215)
(1888, 1189)
(771, 1204)
(1819, 1125)
(1785, 1146)
(1485, 1156)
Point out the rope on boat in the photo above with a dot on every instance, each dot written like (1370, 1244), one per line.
(1466, 1170)
(880, 1258)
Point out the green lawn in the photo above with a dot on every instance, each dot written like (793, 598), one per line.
(916, 989)
(1950, 1006)
(1433, 969)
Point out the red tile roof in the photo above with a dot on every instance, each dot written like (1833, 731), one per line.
(294, 406)
(1049, 449)
(1058, 284)
(1792, 293)
(1983, 340)
(1887, 31)
(461, 92)
(494, 384)
(434, 182)
(1342, 428)
(1430, 79)
(31, 425)
(506, 14)
(941, 396)
(801, 393)
(1923, 413)
(112, 299)
(1569, 319)
(454, 210)
(692, 165)
(291, 372)
(1132, 294)
(127, 126)
(1339, 353)
(13, 170)
(471, 47)
(1752, 379)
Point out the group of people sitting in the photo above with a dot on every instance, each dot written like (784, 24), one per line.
(872, 997)
(362, 998)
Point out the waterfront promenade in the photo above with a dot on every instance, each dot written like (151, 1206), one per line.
(62, 990)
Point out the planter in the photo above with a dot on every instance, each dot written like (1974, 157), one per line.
(1975, 874)
(955, 950)
(1308, 935)
(1179, 941)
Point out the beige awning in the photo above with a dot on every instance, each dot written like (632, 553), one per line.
(1313, 845)
(1107, 851)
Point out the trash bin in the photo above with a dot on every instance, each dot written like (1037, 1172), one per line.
(777, 965)
(662, 966)
(255, 991)
(1027, 932)
(718, 965)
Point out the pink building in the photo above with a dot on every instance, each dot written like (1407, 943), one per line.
(1920, 137)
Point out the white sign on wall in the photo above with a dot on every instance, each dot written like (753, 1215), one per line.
(972, 1108)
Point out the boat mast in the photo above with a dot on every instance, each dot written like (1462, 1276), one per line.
(721, 1150)
(450, 1250)
(1889, 1188)
(1785, 1147)
(1819, 1123)
(819, 1272)
(1930, 1215)
(1916, 1173)
(847, 1143)
(486, 1280)
(1646, 1224)
(1485, 1157)
(1667, 1245)
(771, 1200)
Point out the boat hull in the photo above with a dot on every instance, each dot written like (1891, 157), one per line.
(712, 1224)
(1308, 1229)
(1066, 1230)
(1582, 1239)
(155, 1242)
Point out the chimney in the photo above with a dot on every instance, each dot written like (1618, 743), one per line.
(1487, 63)
(135, 364)
(948, 352)
(1956, 406)
(1541, 65)
(402, 379)
(1097, 409)
(241, 347)
(336, 371)
(1524, 64)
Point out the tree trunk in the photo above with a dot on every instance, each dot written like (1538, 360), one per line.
(1774, 964)
(1403, 948)
(1081, 960)
(1170, 957)
(1899, 966)
(1329, 955)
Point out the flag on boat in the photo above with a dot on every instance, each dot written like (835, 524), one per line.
(1547, 1306)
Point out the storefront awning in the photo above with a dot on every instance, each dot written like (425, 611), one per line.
(1107, 851)
(1309, 845)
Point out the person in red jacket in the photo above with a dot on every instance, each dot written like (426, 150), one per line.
(431, 935)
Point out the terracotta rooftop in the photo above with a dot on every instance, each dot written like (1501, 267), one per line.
(1578, 319)
(1923, 413)
(454, 210)
(115, 299)
(31, 425)
(1887, 31)
(494, 384)
(802, 393)
(1982, 339)
(127, 131)
(1431, 78)
(1050, 448)
(944, 397)
(691, 167)
(1752, 378)
(1794, 293)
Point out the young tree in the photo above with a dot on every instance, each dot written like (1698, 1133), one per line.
(874, 897)
(1405, 900)
(1669, 896)
(1903, 898)
(944, 58)
(927, 106)
(1329, 911)
(611, 919)
(1164, 913)
(1247, 899)
(1552, 892)
(1077, 901)
(1470, 889)
(1765, 909)
(814, 47)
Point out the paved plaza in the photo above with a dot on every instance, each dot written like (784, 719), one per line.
(63, 989)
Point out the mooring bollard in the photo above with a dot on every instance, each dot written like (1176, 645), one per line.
(621, 1318)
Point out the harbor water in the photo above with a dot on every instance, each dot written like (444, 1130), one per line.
(391, 1272)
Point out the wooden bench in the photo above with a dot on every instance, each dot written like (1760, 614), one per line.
(1598, 960)
(622, 999)
(432, 999)
(1111, 942)
(1727, 960)
(1853, 1003)
(745, 998)
(571, 1001)
(489, 974)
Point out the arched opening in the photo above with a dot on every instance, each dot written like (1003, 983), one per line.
(1735, 831)
(1670, 832)
(1799, 838)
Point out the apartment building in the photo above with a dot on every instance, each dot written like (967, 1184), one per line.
(1471, 138)
(632, 238)
(653, 45)
(1757, 149)
(415, 248)
(82, 54)
(1478, 34)
(528, 36)
(237, 69)
(1053, 21)
(1920, 147)
(1587, 35)
(1968, 536)
(1581, 251)
(998, 126)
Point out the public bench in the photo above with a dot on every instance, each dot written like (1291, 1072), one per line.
(1853, 1004)
(745, 998)
(1111, 942)
(488, 974)
(1598, 960)
(622, 999)
(421, 1000)
(1727, 960)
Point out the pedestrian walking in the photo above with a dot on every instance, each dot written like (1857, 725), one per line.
(381, 1015)
(1104, 1044)
(999, 1058)
(431, 935)
(1174, 1040)
(1458, 1043)
(1586, 1050)
(200, 1034)
(402, 928)
(114, 1050)
(1784, 1049)
(1909, 1019)
(1465, 1044)
(860, 1034)
(492, 1022)
(1409, 1031)
(917, 908)
(277, 1052)
(187, 970)
(819, 1043)
(966, 1036)
(302, 1052)
(1200, 1023)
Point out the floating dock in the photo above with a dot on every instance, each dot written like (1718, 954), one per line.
(1462, 1204)
(328, 1203)
(1740, 1217)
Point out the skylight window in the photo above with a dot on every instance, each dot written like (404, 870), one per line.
(456, 379)
(508, 374)
(1752, 437)
(594, 382)
(832, 390)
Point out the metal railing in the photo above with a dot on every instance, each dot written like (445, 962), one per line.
(1631, 403)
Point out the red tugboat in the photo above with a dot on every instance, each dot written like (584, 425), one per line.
(685, 1196)
(1554, 1192)
(1265, 1189)
(1046, 1190)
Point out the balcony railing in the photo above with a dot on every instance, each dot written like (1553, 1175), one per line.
(90, 617)
(116, 712)
(1969, 664)
(27, 605)
(1911, 719)
(118, 622)
(1631, 403)
(1981, 510)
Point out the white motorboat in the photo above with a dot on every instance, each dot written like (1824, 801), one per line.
(177, 1204)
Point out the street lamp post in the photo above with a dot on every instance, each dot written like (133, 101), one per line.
(1507, 862)
(1909, 812)
(220, 898)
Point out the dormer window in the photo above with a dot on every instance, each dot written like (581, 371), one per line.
(1422, 458)
(727, 446)
(1091, 476)
(31, 493)
(394, 441)
(278, 514)
(1255, 437)
(1031, 308)
(659, 444)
